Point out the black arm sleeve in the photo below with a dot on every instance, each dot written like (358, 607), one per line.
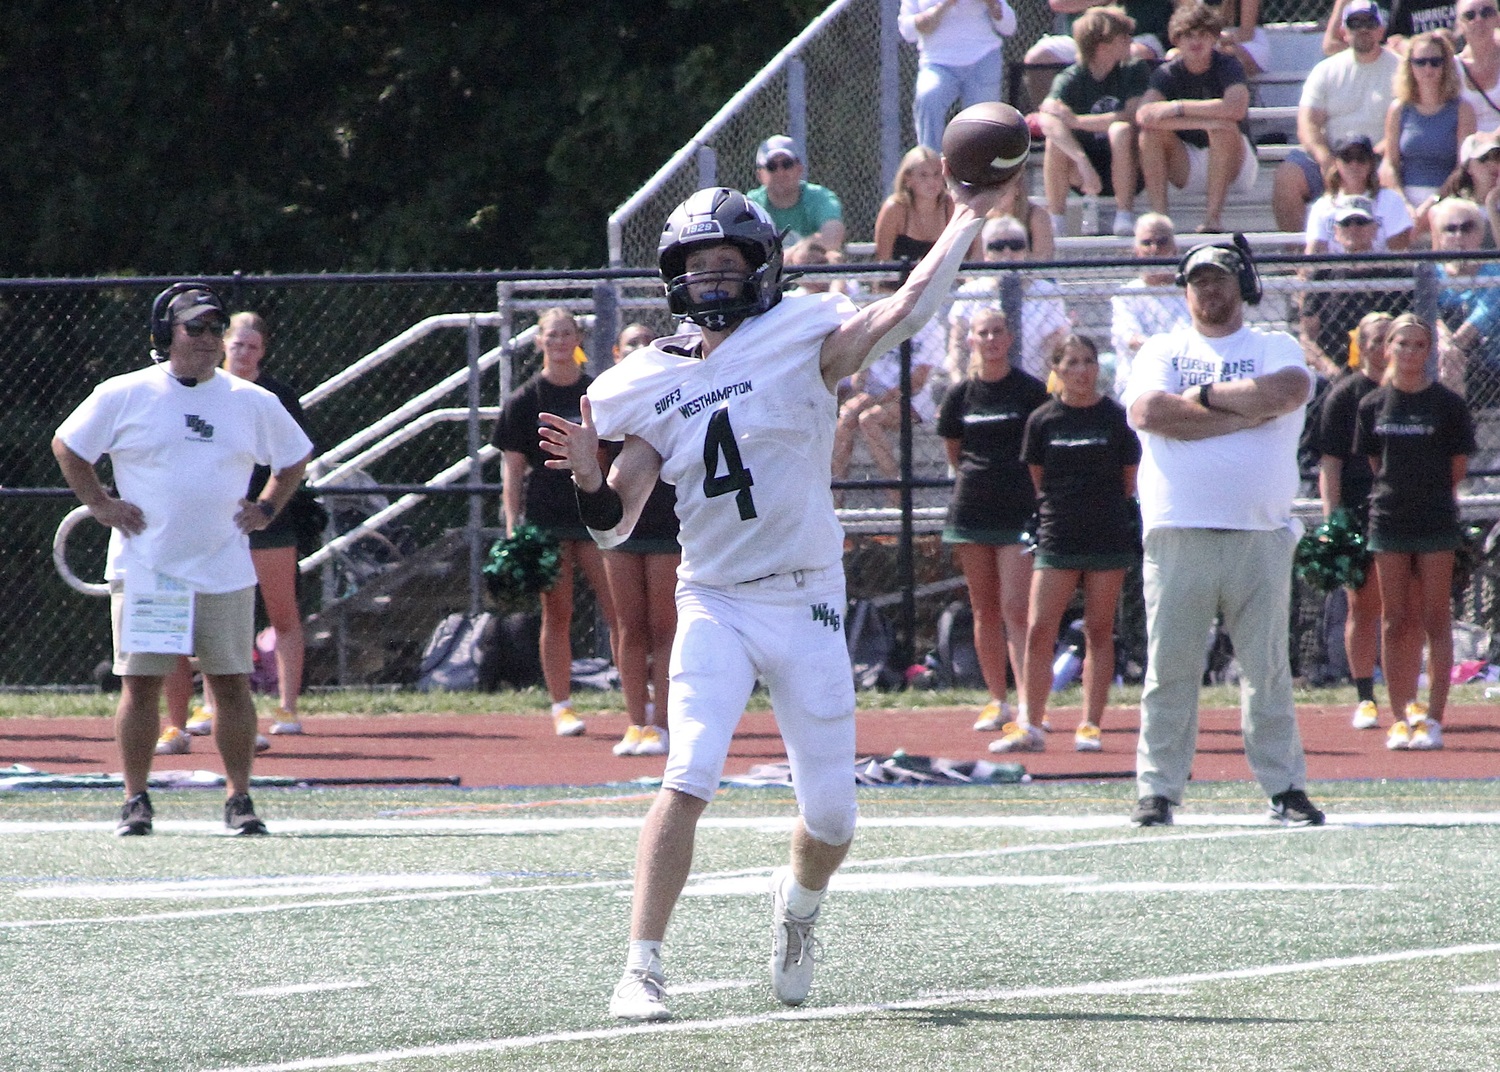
(601, 509)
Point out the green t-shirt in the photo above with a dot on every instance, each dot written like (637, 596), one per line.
(1079, 90)
(815, 207)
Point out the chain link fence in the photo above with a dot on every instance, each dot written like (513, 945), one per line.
(385, 366)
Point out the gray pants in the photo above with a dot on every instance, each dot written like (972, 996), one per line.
(1192, 576)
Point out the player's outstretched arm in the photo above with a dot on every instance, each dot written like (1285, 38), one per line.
(630, 479)
(887, 323)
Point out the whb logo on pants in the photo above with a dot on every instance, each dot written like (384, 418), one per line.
(822, 612)
(201, 428)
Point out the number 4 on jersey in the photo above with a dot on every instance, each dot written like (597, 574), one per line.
(718, 443)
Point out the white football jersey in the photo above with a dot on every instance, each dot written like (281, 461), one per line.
(745, 436)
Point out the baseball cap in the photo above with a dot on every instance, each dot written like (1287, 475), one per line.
(1477, 147)
(191, 304)
(777, 145)
(1353, 144)
(1349, 207)
(1355, 8)
(1220, 257)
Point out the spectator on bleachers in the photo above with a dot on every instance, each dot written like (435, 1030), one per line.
(812, 251)
(1134, 318)
(1088, 120)
(981, 422)
(1353, 172)
(1193, 131)
(1044, 318)
(1468, 341)
(1328, 316)
(873, 408)
(1243, 37)
(958, 49)
(1425, 123)
(917, 210)
(799, 208)
(1344, 481)
(1412, 18)
(1346, 94)
(1477, 178)
(1479, 61)
(1053, 52)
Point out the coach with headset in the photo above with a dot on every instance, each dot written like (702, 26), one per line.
(183, 437)
(1219, 407)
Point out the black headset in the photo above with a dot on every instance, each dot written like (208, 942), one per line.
(1249, 279)
(161, 317)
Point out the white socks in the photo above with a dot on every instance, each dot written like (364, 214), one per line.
(644, 956)
(800, 902)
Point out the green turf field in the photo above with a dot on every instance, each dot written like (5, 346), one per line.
(1023, 927)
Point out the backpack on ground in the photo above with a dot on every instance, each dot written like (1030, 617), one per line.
(455, 653)
(957, 659)
(872, 646)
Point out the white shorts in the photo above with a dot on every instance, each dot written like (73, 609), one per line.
(788, 631)
(1242, 184)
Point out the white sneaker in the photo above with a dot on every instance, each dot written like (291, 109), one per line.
(284, 722)
(653, 742)
(1018, 738)
(1124, 226)
(994, 714)
(792, 946)
(566, 723)
(641, 995)
(262, 742)
(628, 743)
(1426, 736)
(1366, 716)
(173, 742)
(200, 722)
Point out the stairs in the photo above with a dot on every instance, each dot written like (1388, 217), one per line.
(375, 636)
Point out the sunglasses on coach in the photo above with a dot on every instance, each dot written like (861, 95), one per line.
(1001, 244)
(780, 164)
(213, 325)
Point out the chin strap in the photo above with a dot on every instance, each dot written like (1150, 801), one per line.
(938, 287)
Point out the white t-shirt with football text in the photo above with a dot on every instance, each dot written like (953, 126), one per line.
(1243, 480)
(745, 437)
(184, 455)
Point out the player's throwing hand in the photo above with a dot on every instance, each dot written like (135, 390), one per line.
(573, 446)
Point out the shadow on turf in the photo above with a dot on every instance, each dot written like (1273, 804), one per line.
(963, 1017)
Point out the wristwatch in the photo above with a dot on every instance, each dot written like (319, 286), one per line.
(1203, 395)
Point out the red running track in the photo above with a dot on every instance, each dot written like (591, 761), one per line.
(509, 750)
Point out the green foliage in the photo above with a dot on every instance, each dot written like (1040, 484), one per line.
(335, 135)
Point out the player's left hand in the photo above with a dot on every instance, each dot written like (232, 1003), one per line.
(573, 446)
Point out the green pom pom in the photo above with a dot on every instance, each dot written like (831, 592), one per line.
(524, 563)
(1334, 554)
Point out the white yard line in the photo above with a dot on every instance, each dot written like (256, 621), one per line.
(1167, 984)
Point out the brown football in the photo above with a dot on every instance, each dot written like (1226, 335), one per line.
(986, 144)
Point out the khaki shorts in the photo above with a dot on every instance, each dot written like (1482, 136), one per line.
(223, 635)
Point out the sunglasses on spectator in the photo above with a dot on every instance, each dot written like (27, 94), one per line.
(780, 163)
(213, 325)
(1461, 227)
(1427, 61)
(1355, 221)
(999, 244)
(1475, 14)
(1363, 22)
(1157, 241)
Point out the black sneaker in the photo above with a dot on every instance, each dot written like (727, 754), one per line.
(135, 816)
(1152, 811)
(1292, 808)
(239, 816)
